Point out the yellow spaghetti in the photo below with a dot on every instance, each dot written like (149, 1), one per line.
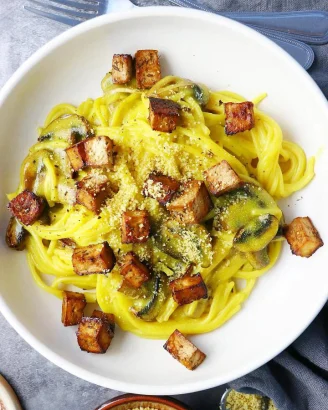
(259, 156)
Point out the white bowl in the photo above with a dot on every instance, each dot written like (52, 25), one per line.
(225, 55)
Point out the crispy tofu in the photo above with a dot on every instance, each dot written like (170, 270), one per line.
(192, 205)
(221, 178)
(302, 236)
(239, 117)
(107, 318)
(76, 155)
(134, 271)
(72, 308)
(92, 192)
(122, 68)
(94, 335)
(148, 68)
(99, 151)
(184, 351)
(16, 235)
(163, 114)
(135, 226)
(91, 259)
(27, 207)
(160, 187)
(188, 288)
(92, 152)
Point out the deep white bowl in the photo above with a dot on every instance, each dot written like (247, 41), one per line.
(225, 55)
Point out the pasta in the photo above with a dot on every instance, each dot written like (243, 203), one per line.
(260, 156)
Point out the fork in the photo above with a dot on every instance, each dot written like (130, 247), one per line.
(73, 12)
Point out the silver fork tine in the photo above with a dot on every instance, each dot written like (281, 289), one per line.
(61, 19)
(80, 6)
(70, 13)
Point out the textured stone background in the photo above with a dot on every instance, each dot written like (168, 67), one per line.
(40, 384)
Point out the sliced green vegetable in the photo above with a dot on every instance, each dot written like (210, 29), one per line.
(16, 235)
(257, 234)
(237, 208)
(70, 128)
(134, 293)
(190, 243)
(259, 259)
(201, 94)
(149, 308)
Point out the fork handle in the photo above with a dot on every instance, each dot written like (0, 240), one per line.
(308, 26)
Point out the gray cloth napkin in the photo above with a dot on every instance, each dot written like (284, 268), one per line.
(297, 379)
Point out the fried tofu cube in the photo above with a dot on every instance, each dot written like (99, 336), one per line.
(163, 114)
(188, 288)
(121, 68)
(184, 351)
(135, 272)
(302, 236)
(99, 151)
(76, 155)
(88, 260)
(148, 68)
(107, 318)
(221, 178)
(27, 207)
(94, 335)
(72, 308)
(160, 187)
(135, 226)
(192, 205)
(92, 192)
(239, 117)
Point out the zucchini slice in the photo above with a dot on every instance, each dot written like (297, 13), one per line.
(192, 243)
(257, 234)
(15, 235)
(237, 208)
(70, 128)
(259, 259)
(148, 309)
(201, 94)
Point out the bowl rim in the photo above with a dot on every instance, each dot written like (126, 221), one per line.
(128, 398)
(155, 11)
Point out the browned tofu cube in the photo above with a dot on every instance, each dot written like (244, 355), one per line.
(107, 318)
(27, 207)
(134, 272)
(76, 156)
(163, 114)
(239, 117)
(192, 205)
(121, 68)
(16, 235)
(91, 259)
(72, 308)
(188, 289)
(184, 351)
(135, 226)
(99, 151)
(148, 69)
(160, 187)
(94, 335)
(303, 237)
(92, 192)
(221, 178)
